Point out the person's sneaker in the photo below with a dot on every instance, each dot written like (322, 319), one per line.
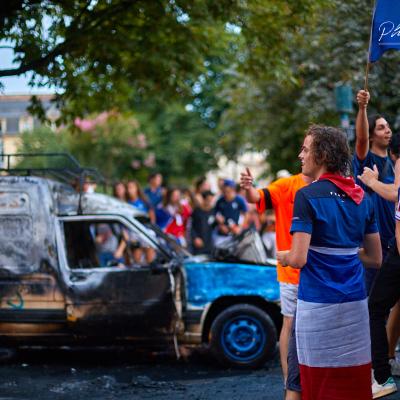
(395, 367)
(386, 388)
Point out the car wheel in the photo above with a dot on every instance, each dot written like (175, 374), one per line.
(243, 336)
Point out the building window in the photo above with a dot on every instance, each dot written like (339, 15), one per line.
(25, 124)
(3, 126)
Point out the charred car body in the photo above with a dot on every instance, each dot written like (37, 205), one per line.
(55, 291)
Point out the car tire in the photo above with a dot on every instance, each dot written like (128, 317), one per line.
(243, 336)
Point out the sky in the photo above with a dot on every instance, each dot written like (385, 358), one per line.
(16, 84)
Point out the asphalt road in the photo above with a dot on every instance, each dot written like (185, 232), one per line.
(125, 375)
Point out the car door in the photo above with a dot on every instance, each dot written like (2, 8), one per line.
(114, 297)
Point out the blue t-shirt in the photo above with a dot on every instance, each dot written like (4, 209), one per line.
(139, 204)
(155, 198)
(231, 210)
(337, 225)
(384, 209)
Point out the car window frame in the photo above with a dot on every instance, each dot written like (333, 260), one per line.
(61, 243)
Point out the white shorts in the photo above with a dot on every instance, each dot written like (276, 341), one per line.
(288, 293)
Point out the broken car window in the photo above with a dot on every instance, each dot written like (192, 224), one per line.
(98, 244)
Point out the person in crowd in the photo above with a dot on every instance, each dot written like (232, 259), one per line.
(85, 186)
(154, 191)
(240, 191)
(230, 213)
(177, 213)
(279, 196)
(119, 191)
(220, 185)
(89, 187)
(201, 185)
(268, 232)
(334, 233)
(385, 293)
(109, 249)
(136, 198)
(138, 252)
(373, 141)
(373, 136)
(188, 200)
(203, 220)
(188, 197)
(370, 176)
(253, 220)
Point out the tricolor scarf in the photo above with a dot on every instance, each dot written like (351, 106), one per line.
(347, 184)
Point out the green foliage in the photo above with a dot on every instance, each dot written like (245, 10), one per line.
(115, 145)
(43, 140)
(204, 78)
(173, 141)
(274, 114)
(101, 53)
(185, 147)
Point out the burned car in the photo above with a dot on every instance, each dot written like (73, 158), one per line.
(58, 288)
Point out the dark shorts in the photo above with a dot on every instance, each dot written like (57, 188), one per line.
(293, 379)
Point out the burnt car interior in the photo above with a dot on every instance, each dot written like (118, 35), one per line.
(245, 248)
(96, 243)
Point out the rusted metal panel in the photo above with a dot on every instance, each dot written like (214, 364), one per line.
(29, 280)
(26, 226)
(14, 202)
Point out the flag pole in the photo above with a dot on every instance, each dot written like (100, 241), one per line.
(367, 68)
(366, 75)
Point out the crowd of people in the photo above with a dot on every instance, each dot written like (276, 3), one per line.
(198, 218)
(333, 230)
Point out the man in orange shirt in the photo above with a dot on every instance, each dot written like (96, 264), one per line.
(279, 195)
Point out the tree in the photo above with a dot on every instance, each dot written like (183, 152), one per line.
(171, 140)
(227, 76)
(101, 53)
(184, 145)
(274, 114)
(111, 142)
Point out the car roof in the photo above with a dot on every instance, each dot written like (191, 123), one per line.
(66, 200)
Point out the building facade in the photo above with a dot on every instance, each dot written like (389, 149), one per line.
(15, 119)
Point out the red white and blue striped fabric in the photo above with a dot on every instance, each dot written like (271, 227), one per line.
(332, 322)
(332, 327)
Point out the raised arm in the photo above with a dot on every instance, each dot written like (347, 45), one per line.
(362, 134)
(246, 182)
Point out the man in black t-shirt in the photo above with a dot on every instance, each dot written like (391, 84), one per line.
(203, 221)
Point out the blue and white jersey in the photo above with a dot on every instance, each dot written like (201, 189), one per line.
(332, 322)
(231, 210)
(384, 210)
(333, 272)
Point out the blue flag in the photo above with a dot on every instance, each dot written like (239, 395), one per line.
(385, 31)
